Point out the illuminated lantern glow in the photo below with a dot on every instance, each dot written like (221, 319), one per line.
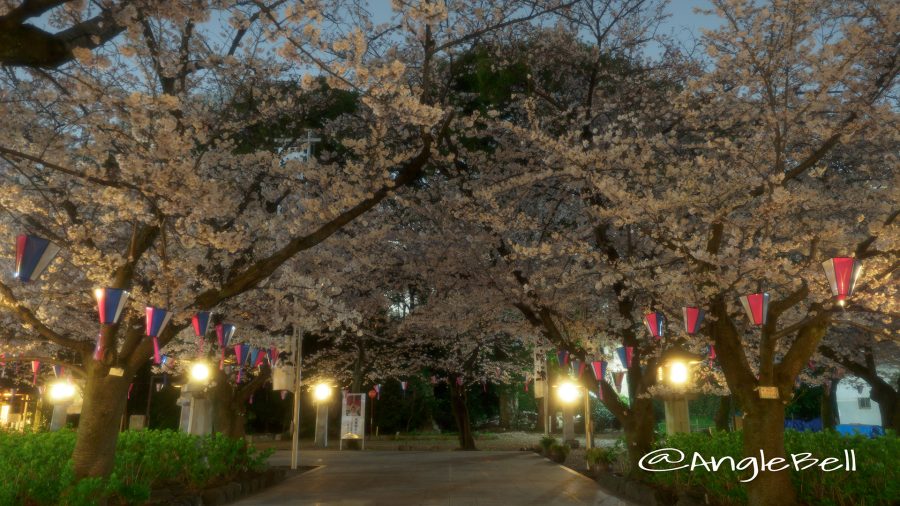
(33, 255)
(157, 319)
(757, 307)
(110, 303)
(693, 318)
(842, 273)
(656, 323)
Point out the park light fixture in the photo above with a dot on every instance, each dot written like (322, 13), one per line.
(61, 391)
(322, 392)
(675, 366)
(200, 372)
(568, 392)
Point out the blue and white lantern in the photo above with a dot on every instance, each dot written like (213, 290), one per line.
(157, 319)
(33, 255)
(110, 303)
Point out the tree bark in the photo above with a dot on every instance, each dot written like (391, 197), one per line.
(459, 405)
(764, 432)
(723, 414)
(888, 402)
(508, 407)
(98, 427)
(828, 412)
(639, 427)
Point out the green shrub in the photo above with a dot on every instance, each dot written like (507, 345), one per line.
(604, 457)
(35, 468)
(875, 482)
(559, 452)
(546, 443)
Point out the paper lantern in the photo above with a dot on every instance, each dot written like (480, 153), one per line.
(403, 385)
(599, 368)
(130, 388)
(110, 303)
(655, 323)
(272, 355)
(33, 255)
(712, 352)
(201, 322)
(693, 318)
(562, 358)
(256, 358)
(757, 307)
(35, 368)
(378, 391)
(157, 319)
(57, 371)
(625, 355)
(239, 353)
(617, 379)
(842, 273)
(224, 332)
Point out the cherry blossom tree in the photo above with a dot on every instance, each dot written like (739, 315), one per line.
(129, 158)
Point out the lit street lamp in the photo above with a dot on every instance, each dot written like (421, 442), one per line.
(61, 394)
(568, 393)
(321, 394)
(200, 372)
(675, 370)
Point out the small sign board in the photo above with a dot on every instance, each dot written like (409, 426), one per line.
(353, 417)
(768, 392)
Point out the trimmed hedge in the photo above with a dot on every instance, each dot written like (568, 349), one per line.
(876, 480)
(35, 468)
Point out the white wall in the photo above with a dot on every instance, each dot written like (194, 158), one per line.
(847, 398)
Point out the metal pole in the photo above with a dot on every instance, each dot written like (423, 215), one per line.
(295, 437)
(546, 393)
(588, 436)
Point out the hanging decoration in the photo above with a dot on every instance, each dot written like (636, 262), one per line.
(842, 273)
(224, 333)
(130, 388)
(655, 323)
(378, 391)
(157, 319)
(57, 371)
(239, 353)
(693, 318)
(200, 322)
(283, 394)
(403, 385)
(272, 355)
(617, 379)
(711, 352)
(625, 355)
(33, 255)
(256, 358)
(562, 358)
(599, 369)
(459, 380)
(110, 303)
(35, 368)
(757, 307)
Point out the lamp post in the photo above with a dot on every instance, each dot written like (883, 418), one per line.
(675, 370)
(321, 394)
(568, 393)
(61, 394)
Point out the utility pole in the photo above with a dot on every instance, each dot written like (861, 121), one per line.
(298, 355)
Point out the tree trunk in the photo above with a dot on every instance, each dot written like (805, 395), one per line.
(723, 414)
(508, 406)
(888, 402)
(828, 412)
(459, 404)
(764, 431)
(98, 427)
(639, 428)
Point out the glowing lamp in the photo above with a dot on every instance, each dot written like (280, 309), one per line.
(322, 392)
(372, 393)
(568, 392)
(33, 255)
(757, 307)
(675, 366)
(842, 273)
(693, 318)
(110, 303)
(61, 391)
(655, 323)
(200, 372)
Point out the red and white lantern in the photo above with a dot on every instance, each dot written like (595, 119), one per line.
(693, 319)
(655, 323)
(842, 273)
(757, 307)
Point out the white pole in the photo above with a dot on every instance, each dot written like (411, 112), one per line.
(295, 437)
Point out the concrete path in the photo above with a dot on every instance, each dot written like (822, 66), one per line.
(430, 478)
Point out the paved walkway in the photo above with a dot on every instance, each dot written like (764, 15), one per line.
(394, 478)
